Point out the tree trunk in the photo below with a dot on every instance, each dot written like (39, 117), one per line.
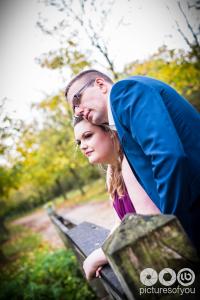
(61, 188)
(78, 179)
(3, 229)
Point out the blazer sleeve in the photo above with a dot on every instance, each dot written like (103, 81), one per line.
(140, 110)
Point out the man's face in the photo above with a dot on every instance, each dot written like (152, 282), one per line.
(92, 103)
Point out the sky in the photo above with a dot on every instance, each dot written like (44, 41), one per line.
(148, 25)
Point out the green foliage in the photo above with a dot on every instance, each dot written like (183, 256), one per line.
(50, 166)
(35, 271)
(47, 276)
(69, 56)
(9, 174)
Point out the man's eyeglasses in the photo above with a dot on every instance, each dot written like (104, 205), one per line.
(77, 97)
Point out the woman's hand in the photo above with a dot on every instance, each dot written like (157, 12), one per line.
(93, 263)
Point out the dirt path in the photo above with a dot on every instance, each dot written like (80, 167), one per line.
(100, 213)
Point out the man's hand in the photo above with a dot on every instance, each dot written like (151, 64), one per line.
(93, 263)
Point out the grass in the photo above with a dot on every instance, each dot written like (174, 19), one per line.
(32, 269)
(94, 191)
(20, 243)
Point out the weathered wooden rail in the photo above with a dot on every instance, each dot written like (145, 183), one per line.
(84, 238)
(141, 244)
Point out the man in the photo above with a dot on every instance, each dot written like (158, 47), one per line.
(160, 135)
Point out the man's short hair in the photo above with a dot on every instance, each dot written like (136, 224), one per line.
(87, 76)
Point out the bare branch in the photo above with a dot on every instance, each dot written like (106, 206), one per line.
(93, 31)
(196, 5)
(189, 25)
(183, 34)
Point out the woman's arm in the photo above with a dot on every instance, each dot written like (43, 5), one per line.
(141, 201)
(92, 263)
(97, 258)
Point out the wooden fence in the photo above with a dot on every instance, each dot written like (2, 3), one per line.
(150, 257)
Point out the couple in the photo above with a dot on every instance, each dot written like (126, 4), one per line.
(159, 132)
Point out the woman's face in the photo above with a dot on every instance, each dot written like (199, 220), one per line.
(95, 143)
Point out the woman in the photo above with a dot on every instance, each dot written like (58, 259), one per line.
(101, 146)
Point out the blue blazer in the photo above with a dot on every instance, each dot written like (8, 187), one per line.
(160, 135)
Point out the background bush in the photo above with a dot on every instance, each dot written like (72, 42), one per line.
(35, 271)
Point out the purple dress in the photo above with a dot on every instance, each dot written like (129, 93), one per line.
(123, 205)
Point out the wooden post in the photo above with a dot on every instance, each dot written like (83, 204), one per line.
(140, 250)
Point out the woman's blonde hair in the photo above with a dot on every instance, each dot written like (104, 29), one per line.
(115, 181)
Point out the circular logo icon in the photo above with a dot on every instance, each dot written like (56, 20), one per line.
(186, 276)
(148, 276)
(170, 276)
